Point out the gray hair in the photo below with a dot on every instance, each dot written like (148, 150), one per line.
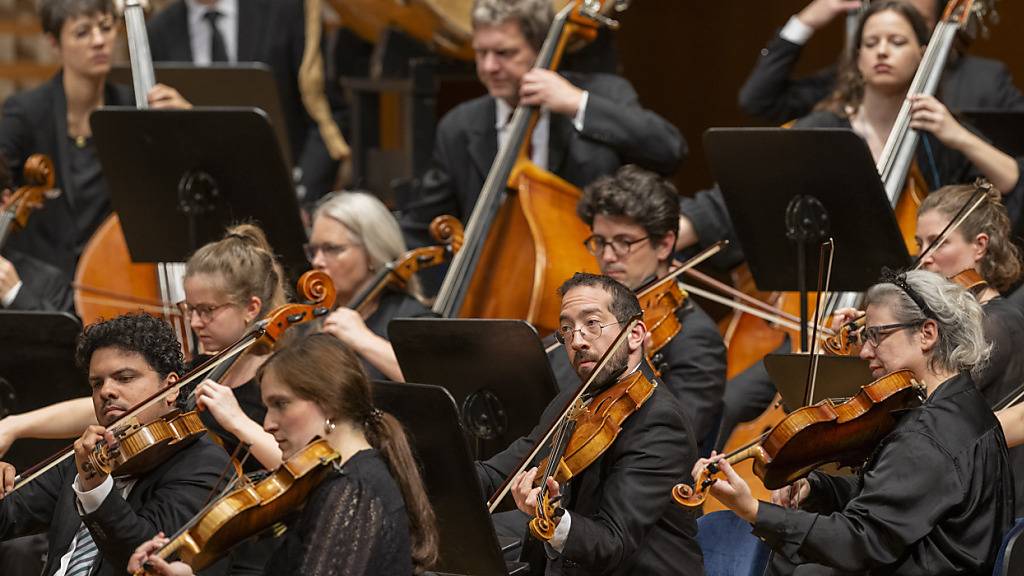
(961, 345)
(372, 226)
(533, 16)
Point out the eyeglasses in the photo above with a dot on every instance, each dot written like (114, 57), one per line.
(329, 250)
(205, 311)
(591, 330)
(875, 334)
(620, 246)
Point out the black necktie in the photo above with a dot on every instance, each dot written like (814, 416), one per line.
(218, 51)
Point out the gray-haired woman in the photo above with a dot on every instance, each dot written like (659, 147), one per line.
(936, 495)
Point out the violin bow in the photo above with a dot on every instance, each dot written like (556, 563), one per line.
(812, 372)
(499, 495)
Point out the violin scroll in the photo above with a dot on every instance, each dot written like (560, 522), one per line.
(688, 497)
(39, 181)
(447, 230)
(542, 525)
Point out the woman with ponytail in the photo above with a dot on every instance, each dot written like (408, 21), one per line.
(371, 515)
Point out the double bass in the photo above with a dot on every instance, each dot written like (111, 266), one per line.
(523, 238)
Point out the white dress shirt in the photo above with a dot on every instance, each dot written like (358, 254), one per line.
(88, 502)
(199, 31)
(541, 133)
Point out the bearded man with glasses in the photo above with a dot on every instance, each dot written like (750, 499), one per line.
(617, 517)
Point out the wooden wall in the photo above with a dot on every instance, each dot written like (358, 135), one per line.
(688, 60)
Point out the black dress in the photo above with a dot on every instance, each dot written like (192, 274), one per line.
(934, 498)
(1004, 374)
(354, 523)
(390, 305)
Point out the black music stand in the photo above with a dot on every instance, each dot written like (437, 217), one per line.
(804, 186)
(838, 377)
(37, 368)
(495, 369)
(222, 84)
(177, 178)
(468, 544)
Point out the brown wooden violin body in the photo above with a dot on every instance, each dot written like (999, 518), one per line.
(595, 427)
(845, 433)
(251, 509)
(660, 304)
(142, 447)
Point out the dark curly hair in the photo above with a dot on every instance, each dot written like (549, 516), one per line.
(141, 333)
(54, 13)
(641, 195)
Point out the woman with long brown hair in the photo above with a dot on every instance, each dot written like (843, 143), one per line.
(371, 515)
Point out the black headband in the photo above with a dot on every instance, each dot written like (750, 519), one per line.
(900, 280)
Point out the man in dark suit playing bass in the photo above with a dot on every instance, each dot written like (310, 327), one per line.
(93, 521)
(589, 124)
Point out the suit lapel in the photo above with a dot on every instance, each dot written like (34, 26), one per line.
(251, 28)
(62, 142)
(180, 51)
(483, 139)
(559, 134)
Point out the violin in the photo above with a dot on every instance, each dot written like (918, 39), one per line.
(154, 441)
(250, 509)
(447, 230)
(828, 432)
(594, 428)
(39, 180)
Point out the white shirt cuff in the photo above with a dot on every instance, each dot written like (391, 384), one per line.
(557, 543)
(91, 500)
(796, 31)
(581, 112)
(8, 298)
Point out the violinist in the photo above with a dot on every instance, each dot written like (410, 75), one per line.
(617, 518)
(371, 515)
(770, 93)
(53, 119)
(589, 124)
(93, 522)
(634, 215)
(43, 286)
(936, 495)
(354, 236)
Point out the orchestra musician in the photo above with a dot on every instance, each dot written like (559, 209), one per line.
(46, 288)
(772, 94)
(272, 32)
(876, 76)
(94, 522)
(589, 124)
(936, 495)
(354, 236)
(634, 214)
(618, 516)
(371, 515)
(53, 119)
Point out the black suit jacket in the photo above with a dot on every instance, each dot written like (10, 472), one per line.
(272, 32)
(772, 94)
(616, 131)
(35, 121)
(43, 286)
(161, 500)
(624, 520)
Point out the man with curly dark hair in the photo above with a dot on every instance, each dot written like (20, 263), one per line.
(94, 521)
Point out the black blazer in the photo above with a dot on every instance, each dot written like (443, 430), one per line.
(35, 121)
(272, 32)
(616, 131)
(772, 94)
(43, 286)
(624, 520)
(162, 500)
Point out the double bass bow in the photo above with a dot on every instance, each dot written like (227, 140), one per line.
(520, 246)
(148, 443)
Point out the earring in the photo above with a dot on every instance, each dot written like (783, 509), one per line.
(328, 426)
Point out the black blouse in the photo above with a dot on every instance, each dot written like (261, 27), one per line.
(354, 523)
(935, 498)
(392, 304)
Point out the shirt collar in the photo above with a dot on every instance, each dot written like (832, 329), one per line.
(503, 114)
(228, 9)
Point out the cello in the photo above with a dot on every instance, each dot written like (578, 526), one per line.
(520, 246)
